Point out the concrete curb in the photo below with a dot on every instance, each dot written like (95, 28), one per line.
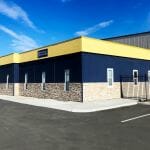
(144, 103)
(103, 108)
(75, 107)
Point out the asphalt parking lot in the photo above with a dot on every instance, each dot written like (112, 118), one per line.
(24, 127)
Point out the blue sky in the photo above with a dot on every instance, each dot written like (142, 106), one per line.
(27, 24)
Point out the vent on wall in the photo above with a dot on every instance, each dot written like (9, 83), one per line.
(42, 53)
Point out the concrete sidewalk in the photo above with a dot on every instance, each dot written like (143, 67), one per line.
(145, 103)
(71, 106)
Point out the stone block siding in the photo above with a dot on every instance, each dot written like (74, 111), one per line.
(129, 89)
(100, 91)
(9, 91)
(148, 90)
(53, 91)
(90, 92)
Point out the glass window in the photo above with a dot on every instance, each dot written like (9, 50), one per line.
(67, 80)
(25, 81)
(43, 77)
(110, 76)
(26, 78)
(43, 80)
(148, 75)
(7, 81)
(135, 77)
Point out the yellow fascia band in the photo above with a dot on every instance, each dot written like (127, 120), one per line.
(9, 59)
(92, 45)
(81, 44)
(64, 48)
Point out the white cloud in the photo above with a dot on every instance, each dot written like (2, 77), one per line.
(15, 12)
(95, 28)
(20, 42)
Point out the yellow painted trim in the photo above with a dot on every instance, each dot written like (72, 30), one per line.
(9, 59)
(59, 49)
(81, 44)
(92, 45)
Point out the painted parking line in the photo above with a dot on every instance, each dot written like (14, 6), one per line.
(135, 118)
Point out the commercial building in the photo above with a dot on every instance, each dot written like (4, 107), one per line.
(80, 69)
(137, 39)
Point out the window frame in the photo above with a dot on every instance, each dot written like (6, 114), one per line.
(25, 81)
(43, 88)
(66, 79)
(7, 81)
(112, 78)
(137, 78)
(148, 75)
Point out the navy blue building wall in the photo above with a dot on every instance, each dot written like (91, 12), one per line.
(54, 68)
(95, 66)
(16, 73)
(4, 70)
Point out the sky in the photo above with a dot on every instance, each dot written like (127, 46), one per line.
(29, 24)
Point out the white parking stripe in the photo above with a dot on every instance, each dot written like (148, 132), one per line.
(134, 118)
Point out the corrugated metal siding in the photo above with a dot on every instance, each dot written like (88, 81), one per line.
(140, 40)
(54, 68)
(94, 67)
(4, 70)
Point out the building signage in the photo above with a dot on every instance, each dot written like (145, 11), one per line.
(42, 53)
